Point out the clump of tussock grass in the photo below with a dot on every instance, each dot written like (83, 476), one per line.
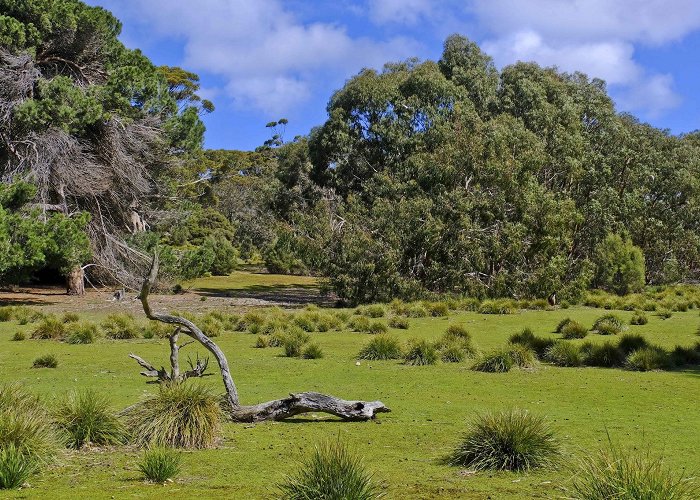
(512, 440)
(45, 361)
(182, 415)
(159, 463)
(376, 327)
(630, 342)
(420, 352)
(681, 356)
(70, 317)
(331, 472)
(50, 328)
(452, 353)
(6, 313)
(305, 321)
(629, 475)
(608, 324)
(398, 322)
(81, 333)
(563, 353)
(606, 355)
(293, 342)
(562, 324)
(528, 338)
(19, 335)
(664, 313)
(574, 330)
(342, 316)
(456, 344)
(359, 324)
(120, 326)
(523, 356)
(639, 318)
(211, 326)
(381, 347)
(248, 320)
(500, 306)
(647, 359)
(312, 351)
(498, 361)
(372, 311)
(417, 311)
(15, 467)
(157, 330)
(86, 417)
(262, 341)
(437, 309)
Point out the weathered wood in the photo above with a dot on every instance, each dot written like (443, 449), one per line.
(279, 409)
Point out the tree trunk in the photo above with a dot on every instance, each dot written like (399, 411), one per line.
(75, 281)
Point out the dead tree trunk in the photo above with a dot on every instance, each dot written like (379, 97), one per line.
(75, 281)
(272, 410)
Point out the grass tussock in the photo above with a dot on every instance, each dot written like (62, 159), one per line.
(639, 318)
(81, 333)
(381, 347)
(398, 322)
(46, 361)
(498, 361)
(528, 338)
(181, 415)
(19, 336)
(50, 328)
(312, 351)
(331, 472)
(501, 306)
(420, 352)
(120, 327)
(647, 359)
(159, 464)
(574, 330)
(563, 353)
(87, 418)
(512, 440)
(608, 324)
(15, 467)
(628, 475)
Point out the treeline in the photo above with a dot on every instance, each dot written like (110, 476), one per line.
(445, 177)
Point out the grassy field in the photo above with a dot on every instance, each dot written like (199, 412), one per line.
(430, 408)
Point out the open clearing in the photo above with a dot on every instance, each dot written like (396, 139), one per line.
(430, 404)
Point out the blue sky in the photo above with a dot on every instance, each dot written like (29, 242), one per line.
(260, 60)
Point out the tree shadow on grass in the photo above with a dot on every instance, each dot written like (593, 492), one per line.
(295, 295)
(692, 371)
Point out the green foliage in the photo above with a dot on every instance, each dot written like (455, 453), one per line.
(437, 309)
(159, 464)
(372, 311)
(19, 335)
(452, 353)
(70, 317)
(563, 353)
(15, 467)
(681, 356)
(377, 327)
(648, 358)
(120, 326)
(527, 338)
(639, 318)
(225, 255)
(619, 265)
(50, 327)
(630, 342)
(523, 356)
(562, 324)
(605, 355)
(88, 419)
(398, 322)
(382, 346)
(498, 361)
(81, 333)
(46, 361)
(332, 472)
(630, 475)
(312, 351)
(574, 330)
(420, 352)
(181, 415)
(512, 440)
(293, 342)
(608, 324)
(502, 306)
(359, 324)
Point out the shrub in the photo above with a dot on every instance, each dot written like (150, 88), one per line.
(619, 265)
(420, 352)
(626, 475)
(87, 418)
(70, 317)
(647, 358)
(417, 311)
(631, 342)
(159, 464)
(50, 328)
(6, 313)
(437, 309)
(382, 346)
(293, 341)
(528, 338)
(19, 335)
(306, 322)
(372, 311)
(574, 330)
(120, 327)
(608, 324)
(494, 362)
(398, 322)
(211, 326)
(45, 361)
(377, 327)
(180, 415)
(248, 319)
(639, 318)
(342, 317)
(604, 355)
(262, 341)
(562, 324)
(312, 351)
(664, 313)
(81, 333)
(564, 353)
(359, 324)
(523, 356)
(511, 440)
(332, 472)
(157, 330)
(15, 467)
(502, 306)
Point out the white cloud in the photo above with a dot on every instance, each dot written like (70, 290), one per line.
(400, 11)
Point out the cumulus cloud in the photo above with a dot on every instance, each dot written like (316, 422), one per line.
(400, 11)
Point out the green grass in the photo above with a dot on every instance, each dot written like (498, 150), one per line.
(159, 464)
(87, 418)
(428, 403)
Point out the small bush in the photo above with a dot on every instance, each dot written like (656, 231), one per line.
(639, 318)
(377, 327)
(293, 342)
(50, 328)
(6, 313)
(608, 324)
(562, 324)
(372, 311)
(312, 351)
(664, 314)
(528, 338)
(523, 356)
(159, 464)
(398, 322)
(305, 321)
(502, 306)
(452, 353)
(498, 361)
(420, 352)
(510, 440)
(622, 475)
(564, 353)
(120, 327)
(248, 319)
(647, 359)
(437, 309)
(382, 346)
(157, 330)
(262, 341)
(631, 342)
(45, 361)
(456, 337)
(332, 472)
(87, 418)
(458, 331)
(574, 330)
(70, 317)
(19, 335)
(181, 415)
(81, 333)
(417, 311)
(359, 324)
(605, 355)
(15, 467)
